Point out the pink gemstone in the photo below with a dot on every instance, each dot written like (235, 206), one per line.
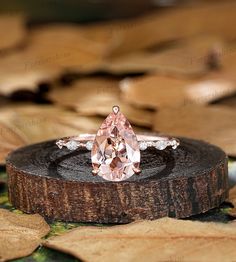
(115, 152)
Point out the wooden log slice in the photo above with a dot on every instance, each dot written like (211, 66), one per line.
(58, 184)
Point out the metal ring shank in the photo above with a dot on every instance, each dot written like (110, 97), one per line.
(145, 141)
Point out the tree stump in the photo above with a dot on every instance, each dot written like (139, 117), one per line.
(58, 184)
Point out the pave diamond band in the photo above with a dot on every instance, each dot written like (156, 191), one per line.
(144, 141)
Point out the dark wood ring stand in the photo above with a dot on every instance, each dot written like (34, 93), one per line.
(58, 184)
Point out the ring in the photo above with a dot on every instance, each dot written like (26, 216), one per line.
(115, 149)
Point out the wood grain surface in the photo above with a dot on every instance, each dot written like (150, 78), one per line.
(58, 184)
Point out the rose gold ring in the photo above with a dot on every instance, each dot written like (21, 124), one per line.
(115, 149)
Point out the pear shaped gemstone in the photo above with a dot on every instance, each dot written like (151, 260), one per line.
(115, 152)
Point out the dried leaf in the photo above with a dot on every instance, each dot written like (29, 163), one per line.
(15, 31)
(165, 239)
(228, 56)
(54, 48)
(20, 234)
(214, 124)
(65, 46)
(18, 73)
(226, 74)
(96, 96)
(212, 89)
(191, 57)
(228, 101)
(87, 92)
(21, 125)
(155, 91)
(177, 23)
(218, 84)
(14, 70)
(165, 91)
(50, 50)
(10, 140)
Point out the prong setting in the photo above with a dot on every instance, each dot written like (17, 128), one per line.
(115, 109)
(95, 172)
(137, 170)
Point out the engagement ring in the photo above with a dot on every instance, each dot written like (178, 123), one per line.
(115, 149)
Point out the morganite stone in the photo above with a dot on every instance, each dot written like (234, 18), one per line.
(115, 152)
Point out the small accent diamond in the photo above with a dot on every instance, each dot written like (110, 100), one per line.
(160, 145)
(143, 145)
(89, 145)
(174, 144)
(59, 143)
(72, 145)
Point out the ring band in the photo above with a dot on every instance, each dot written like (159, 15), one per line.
(145, 141)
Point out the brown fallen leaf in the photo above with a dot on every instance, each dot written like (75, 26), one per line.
(224, 77)
(210, 89)
(96, 96)
(218, 84)
(160, 240)
(18, 74)
(87, 92)
(114, 38)
(49, 51)
(155, 91)
(167, 91)
(214, 124)
(188, 57)
(140, 33)
(73, 47)
(16, 31)
(228, 101)
(22, 125)
(20, 234)
(84, 48)
(10, 140)
(13, 65)
(228, 56)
